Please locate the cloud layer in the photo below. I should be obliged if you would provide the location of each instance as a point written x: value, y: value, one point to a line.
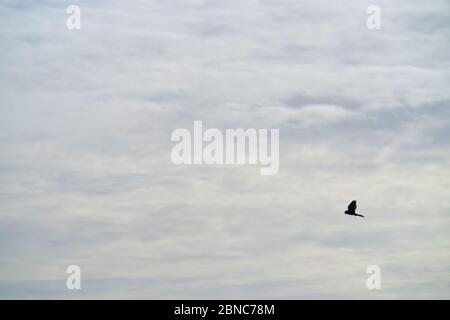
x: 85, y: 171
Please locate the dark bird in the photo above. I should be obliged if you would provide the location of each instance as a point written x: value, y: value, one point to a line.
x: 352, y: 209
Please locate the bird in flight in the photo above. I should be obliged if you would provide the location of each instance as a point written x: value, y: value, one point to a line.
x: 352, y: 208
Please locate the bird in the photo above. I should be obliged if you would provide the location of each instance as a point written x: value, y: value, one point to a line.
x: 352, y: 208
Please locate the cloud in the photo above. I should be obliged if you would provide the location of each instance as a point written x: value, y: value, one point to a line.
x: 85, y: 171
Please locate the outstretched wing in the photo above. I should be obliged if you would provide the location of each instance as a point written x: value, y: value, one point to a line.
x: 352, y: 206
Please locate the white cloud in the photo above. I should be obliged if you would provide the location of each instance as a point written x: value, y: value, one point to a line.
x: 86, y: 176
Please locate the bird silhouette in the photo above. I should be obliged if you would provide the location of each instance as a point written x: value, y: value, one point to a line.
x: 352, y: 208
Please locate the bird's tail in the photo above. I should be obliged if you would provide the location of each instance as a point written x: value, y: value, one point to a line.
x: 359, y: 215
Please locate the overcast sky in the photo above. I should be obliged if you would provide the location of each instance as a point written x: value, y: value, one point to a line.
x: 85, y: 171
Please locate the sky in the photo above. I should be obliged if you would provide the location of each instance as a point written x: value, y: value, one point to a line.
x: 85, y: 171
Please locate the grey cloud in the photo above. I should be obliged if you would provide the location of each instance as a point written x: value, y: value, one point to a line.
x: 85, y: 171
